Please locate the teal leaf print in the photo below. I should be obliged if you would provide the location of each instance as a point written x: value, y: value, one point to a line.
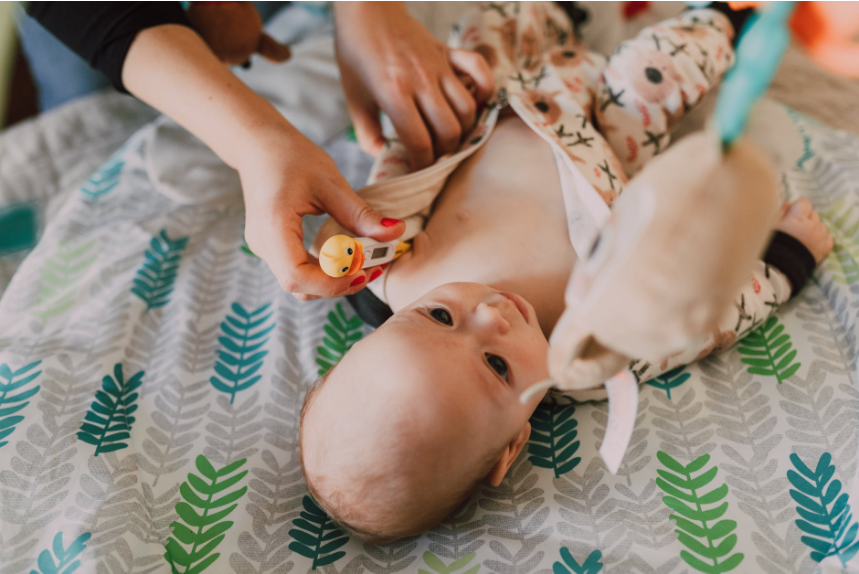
x: 108, y: 421
x: 10, y: 404
x: 824, y: 511
x: 153, y: 282
x: 768, y: 351
x: 243, y: 339
x: 341, y: 332
x: 591, y: 565
x: 699, y: 527
x: 553, y: 441
x: 315, y: 536
x: 669, y: 380
x: 20, y: 228
x: 201, y: 523
x: 59, y: 276
x: 440, y: 567
x: 105, y: 179
x: 62, y: 561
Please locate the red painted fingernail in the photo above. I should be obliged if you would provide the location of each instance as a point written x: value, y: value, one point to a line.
x: 375, y: 275
x: 357, y: 281
x: 384, y: 265
x: 388, y: 222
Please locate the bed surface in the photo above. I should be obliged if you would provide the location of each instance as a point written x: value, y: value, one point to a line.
x: 152, y: 372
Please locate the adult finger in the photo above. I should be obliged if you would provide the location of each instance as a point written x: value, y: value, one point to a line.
x: 272, y: 50
x: 461, y: 100
x: 298, y: 273
x: 368, y: 128
x: 475, y: 66
x: 412, y: 131
x: 442, y: 120
x: 351, y: 212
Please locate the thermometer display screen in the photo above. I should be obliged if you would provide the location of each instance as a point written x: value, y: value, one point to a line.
x: 379, y: 252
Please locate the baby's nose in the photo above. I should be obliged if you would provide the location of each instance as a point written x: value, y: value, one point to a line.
x: 489, y: 318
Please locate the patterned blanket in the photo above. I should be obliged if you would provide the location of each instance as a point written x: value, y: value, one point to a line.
x: 152, y: 372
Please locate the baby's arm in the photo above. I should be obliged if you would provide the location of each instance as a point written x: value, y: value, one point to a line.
x: 801, y: 241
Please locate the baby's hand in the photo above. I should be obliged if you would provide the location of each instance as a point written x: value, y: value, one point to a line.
x: 799, y: 220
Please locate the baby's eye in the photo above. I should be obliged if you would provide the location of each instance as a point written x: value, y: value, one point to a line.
x: 349, y: 251
x: 498, y: 365
x: 442, y: 316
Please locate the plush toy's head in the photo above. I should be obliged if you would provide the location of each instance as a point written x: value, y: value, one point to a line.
x: 233, y: 30
x: 681, y: 240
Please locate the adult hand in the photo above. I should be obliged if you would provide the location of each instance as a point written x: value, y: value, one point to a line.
x: 284, y: 177
x: 389, y: 61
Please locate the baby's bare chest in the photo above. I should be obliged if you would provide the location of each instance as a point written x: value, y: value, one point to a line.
x: 500, y: 221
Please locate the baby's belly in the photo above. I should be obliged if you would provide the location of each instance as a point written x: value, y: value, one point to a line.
x: 500, y: 221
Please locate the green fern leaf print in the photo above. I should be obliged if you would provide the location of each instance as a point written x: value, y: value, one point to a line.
x: 824, y: 512
x: 553, y: 441
x: 13, y: 397
x: 59, y: 277
x: 341, y: 332
x: 438, y: 566
x: 843, y: 267
x: 669, y: 380
x: 591, y: 565
x: 768, y: 352
x: 153, y: 282
x: 315, y: 536
x: 108, y: 421
x: 105, y: 179
x: 62, y: 561
x: 201, y: 525
x: 247, y: 250
x: 243, y: 339
x: 697, y: 521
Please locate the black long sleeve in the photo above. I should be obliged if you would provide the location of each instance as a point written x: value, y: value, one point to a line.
x: 102, y: 32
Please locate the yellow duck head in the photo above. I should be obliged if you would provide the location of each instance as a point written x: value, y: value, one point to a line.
x: 341, y: 255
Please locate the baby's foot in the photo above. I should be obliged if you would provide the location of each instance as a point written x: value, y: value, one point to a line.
x: 799, y: 220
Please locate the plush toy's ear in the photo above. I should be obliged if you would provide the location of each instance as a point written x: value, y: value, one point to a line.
x: 272, y: 50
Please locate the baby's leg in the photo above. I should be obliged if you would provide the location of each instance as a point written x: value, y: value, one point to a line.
x: 800, y: 243
x: 651, y: 81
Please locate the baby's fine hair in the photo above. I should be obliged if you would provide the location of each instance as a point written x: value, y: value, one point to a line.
x: 453, y: 503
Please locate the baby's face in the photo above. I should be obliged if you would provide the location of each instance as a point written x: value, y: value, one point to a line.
x: 415, y: 405
x: 468, y: 342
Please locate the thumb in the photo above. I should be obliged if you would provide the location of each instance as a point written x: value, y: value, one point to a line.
x: 272, y: 50
x: 354, y: 215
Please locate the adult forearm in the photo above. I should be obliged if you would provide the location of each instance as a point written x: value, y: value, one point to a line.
x: 172, y: 69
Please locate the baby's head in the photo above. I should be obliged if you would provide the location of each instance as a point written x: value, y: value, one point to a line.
x: 421, y: 412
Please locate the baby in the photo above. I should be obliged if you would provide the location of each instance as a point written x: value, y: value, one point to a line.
x: 421, y: 412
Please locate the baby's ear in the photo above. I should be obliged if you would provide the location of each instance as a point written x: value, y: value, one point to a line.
x: 508, y: 456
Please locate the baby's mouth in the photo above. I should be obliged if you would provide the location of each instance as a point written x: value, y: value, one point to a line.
x: 521, y: 305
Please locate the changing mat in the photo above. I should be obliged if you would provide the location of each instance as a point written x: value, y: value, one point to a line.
x: 152, y: 373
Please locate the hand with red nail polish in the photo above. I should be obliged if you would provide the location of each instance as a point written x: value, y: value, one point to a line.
x: 357, y: 281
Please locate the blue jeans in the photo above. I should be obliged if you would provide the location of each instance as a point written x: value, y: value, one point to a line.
x: 61, y: 75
